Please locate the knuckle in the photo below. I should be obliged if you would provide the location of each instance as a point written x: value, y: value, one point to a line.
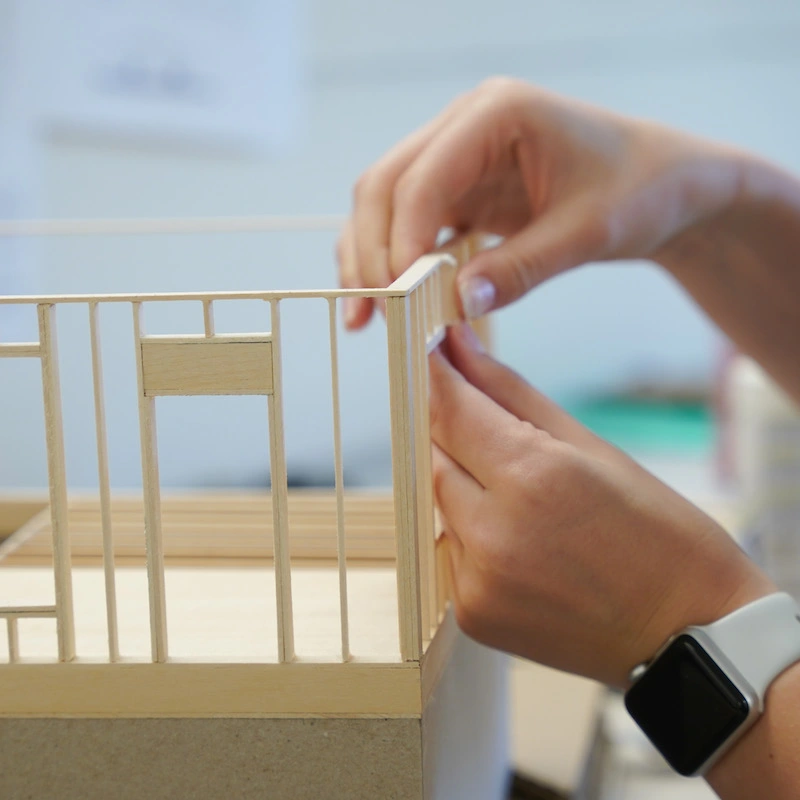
x: 597, y: 231
x: 551, y: 474
x: 526, y: 271
x: 537, y: 469
x: 500, y: 85
x: 364, y: 187
x: 407, y: 192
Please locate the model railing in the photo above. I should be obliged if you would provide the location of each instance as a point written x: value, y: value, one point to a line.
x: 419, y: 306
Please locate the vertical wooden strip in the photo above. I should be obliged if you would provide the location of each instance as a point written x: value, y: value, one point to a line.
x: 13, y: 640
x: 56, y: 470
x: 436, y: 304
x: 429, y: 289
x: 421, y: 447
x: 339, y: 481
x: 280, y: 503
x: 208, y: 318
x: 442, y: 576
x: 403, y: 476
x: 151, y: 489
x: 427, y: 504
x: 447, y: 303
x: 104, y: 485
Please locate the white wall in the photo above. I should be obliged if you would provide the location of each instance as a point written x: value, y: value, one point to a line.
x: 375, y: 71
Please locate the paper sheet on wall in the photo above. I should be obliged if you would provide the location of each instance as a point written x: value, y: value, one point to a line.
x: 216, y: 72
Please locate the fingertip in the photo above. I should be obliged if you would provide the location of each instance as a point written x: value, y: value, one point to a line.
x: 465, y: 349
x: 357, y: 312
x: 464, y: 337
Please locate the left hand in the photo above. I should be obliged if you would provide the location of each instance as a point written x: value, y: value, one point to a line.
x: 563, y: 549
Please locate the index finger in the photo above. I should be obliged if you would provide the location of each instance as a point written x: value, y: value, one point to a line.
x: 442, y: 174
x: 372, y: 206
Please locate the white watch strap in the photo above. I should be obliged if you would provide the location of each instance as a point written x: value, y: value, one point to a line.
x: 760, y: 639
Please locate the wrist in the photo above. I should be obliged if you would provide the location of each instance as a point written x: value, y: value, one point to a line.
x: 734, y: 201
x: 716, y: 584
x: 714, y: 184
x: 767, y: 756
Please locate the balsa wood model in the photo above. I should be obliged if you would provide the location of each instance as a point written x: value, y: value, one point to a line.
x: 123, y: 673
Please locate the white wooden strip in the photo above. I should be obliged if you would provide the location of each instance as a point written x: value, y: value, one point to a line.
x: 152, y: 505
x: 57, y: 476
x: 20, y: 350
x: 418, y: 357
x: 339, y: 483
x: 403, y: 478
x: 420, y: 270
x: 104, y: 484
x: 13, y: 640
x: 162, y: 297
x: 280, y: 512
x: 435, y: 339
x: 427, y: 504
x: 208, y: 318
x: 213, y: 341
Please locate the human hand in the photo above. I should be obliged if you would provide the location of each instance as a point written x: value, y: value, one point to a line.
x: 563, y: 549
x: 565, y: 182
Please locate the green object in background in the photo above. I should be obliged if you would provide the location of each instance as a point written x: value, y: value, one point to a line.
x: 652, y: 426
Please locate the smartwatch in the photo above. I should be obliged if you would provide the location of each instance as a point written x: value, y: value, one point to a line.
x: 705, y: 687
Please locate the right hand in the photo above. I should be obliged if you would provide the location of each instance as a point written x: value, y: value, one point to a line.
x: 564, y: 182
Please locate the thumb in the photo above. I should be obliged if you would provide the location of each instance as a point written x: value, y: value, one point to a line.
x: 559, y: 240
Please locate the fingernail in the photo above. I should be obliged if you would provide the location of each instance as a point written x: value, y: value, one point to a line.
x: 477, y: 296
x: 472, y: 339
x: 350, y: 310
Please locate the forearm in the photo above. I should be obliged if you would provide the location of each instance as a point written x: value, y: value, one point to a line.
x: 742, y: 265
x: 766, y: 762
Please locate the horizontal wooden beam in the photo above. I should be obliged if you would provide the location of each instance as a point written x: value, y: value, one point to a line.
x: 20, y: 350
x: 177, y: 689
x: 206, y: 366
x: 28, y: 612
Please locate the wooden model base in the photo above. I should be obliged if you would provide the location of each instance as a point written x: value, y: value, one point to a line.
x: 240, y: 724
x: 452, y: 747
x: 230, y: 646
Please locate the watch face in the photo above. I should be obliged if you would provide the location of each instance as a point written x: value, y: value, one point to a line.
x: 686, y: 705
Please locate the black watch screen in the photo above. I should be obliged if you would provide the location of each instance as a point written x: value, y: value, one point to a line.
x: 686, y: 705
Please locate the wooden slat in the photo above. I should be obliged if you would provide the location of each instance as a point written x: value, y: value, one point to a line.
x: 404, y: 485
x: 420, y: 401
x: 104, y: 484
x: 339, y: 481
x: 13, y: 640
x: 57, y: 475
x: 426, y: 500
x: 223, y: 527
x: 279, y: 483
x: 182, y: 690
x: 209, y: 366
x: 20, y: 350
x: 152, y: 503
x: 27, y: 612
x: 208, y: 318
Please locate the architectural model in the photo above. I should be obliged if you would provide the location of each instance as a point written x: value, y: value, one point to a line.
x: 124, y: 675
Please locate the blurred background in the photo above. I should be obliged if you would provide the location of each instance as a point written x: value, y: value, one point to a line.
x: 129, y: 108
x: 175, y: 108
